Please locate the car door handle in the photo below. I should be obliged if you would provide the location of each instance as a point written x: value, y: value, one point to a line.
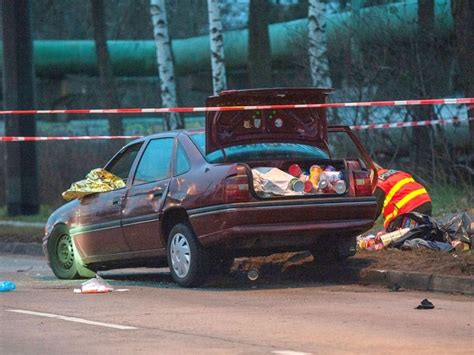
x: 157, y: 192
x: 116, y: 200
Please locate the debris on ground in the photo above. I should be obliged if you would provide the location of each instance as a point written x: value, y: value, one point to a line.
x: 395, y: 287
x: 253, y: 274
x: 415, y: 230
x: 6, y: 286
x: 425, y: 304
x: 94, y: 285
x: 25, y: 270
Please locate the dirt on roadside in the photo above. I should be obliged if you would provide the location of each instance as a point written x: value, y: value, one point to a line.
x: 421, y: 260
x: 11, y: 234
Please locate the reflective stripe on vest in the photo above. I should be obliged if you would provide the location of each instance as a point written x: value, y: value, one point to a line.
x: 394, y: 190
x: 403, y: 202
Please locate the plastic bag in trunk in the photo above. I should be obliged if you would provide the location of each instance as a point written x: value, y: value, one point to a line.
x: 273, y: 181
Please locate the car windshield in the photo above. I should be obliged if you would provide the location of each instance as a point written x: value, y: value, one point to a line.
x: 259, y: 151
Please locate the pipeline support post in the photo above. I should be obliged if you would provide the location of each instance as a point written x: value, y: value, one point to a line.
x: 18, y: 93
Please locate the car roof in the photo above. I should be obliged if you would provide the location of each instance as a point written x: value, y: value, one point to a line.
x: 164, y: 134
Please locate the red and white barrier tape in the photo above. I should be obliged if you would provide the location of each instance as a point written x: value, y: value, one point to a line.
x: 410, y: 124
x: 52, y: 138
x: 468, y: 100
x: 360, y: 127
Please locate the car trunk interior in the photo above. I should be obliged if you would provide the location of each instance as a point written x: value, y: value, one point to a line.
x: 287, y: 179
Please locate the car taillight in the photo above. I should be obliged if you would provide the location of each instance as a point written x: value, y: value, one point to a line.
x: 236, y: 187
x: 362, y: 184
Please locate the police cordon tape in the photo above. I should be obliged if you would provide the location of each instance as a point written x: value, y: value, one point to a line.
x: 454, y: 120
x: 360, y: 127
x: 467, y: 100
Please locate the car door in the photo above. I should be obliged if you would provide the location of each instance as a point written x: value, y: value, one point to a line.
x: 344, y: 144
x: 145, y: 198
x: 99, y: 215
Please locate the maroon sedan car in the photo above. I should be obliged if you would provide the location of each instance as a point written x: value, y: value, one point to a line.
x: 192, y: 202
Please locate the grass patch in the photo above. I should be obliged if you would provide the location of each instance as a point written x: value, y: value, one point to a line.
x: 42, y: 217
x: 451, y: 199
x: 21, y: 234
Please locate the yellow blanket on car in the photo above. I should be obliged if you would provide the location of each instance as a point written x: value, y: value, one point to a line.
x: 98, y: 180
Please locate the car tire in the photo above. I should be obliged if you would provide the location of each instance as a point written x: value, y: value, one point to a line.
x: 187, y: 259
x: 62, y: 256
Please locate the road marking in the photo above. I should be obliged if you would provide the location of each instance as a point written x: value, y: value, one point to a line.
x: 289, y: 352
x: 72, y: 319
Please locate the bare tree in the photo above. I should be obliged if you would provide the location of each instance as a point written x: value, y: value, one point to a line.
x: 317, y: 44
x: 422, y: 154
x: 109, y: 96
x: 259, y: 54
x: 165, y: 63
x: 219, y: 79
x: 463, y: 11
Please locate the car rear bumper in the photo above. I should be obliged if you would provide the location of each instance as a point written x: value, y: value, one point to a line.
x: 283, y: 223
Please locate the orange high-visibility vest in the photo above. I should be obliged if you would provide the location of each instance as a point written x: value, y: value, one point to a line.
x: 402, y: 193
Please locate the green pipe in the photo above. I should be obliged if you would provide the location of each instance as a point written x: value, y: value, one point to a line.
x: 55, y: 58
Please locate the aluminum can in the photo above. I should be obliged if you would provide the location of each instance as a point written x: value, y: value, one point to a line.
x: 297, y: 185
x: 308, y: 186
x: 331, y: 176
x: 314, y: 173
x: 295, y: 170
x: 340, y: 186
x: 325, y: 186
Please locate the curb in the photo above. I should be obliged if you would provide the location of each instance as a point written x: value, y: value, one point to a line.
x: 32, y: 249
x: 418, y: 281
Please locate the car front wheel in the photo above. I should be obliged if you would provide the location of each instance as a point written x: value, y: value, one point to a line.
x: 62, y: 256
x: 187, y: 259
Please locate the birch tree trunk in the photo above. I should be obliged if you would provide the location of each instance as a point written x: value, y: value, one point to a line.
x: 165, y: 63
x: 219, y: 80
x: 317, y: 44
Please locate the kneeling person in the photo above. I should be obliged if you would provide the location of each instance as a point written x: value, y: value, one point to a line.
x: 398, y: 193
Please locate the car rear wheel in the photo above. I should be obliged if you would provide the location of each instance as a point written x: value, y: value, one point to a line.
x: 187, y: 259
x: 62, y: 256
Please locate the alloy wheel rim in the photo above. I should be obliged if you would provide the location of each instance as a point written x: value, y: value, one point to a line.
x: 180, y: 255
x: 65, y: 251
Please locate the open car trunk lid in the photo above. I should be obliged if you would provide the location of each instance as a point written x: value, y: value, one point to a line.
x: 295, y: 125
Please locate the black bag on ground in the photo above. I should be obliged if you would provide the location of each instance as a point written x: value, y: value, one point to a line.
x: 459, y: 226
x: 423, y: 227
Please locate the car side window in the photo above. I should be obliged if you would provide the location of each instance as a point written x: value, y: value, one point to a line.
x: 182, y: 161
x: 154, y: 164
x: 122, y: 163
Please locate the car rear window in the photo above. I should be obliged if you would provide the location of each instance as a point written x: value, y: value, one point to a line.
x: 259, y: 151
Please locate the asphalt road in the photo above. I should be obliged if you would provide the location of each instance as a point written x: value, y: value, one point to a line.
x: 231, y: 315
